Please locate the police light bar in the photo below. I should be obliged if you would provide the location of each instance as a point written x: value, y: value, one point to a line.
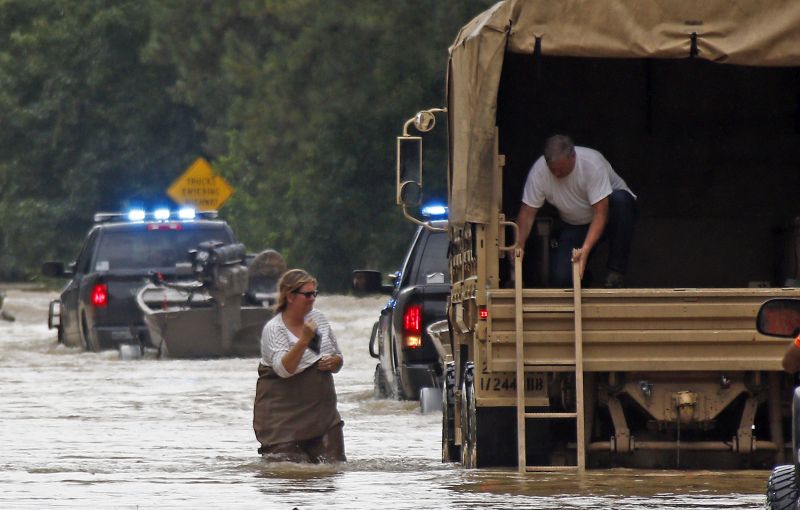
x: 187, y: 213
x: 136, y: 215
x: 161, y: 214
x: 435, y: 211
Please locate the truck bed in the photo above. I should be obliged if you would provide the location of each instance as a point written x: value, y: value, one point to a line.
x: 636, y: 330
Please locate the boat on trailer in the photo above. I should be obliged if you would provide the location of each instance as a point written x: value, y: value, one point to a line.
x: 218, y: 305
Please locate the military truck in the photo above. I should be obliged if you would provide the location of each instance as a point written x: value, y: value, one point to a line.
x: 697, y: 107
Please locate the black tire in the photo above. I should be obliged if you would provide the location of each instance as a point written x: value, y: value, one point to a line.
x: 379, y: 383
x: 782, y: 488
x: 86, y: 336
x: 397, y: 387
x: 451, y: 452
x: 468, y: 419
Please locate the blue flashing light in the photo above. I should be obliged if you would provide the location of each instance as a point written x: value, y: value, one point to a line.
x: 435, y: 211
x: 187, y: 213
x: 136, y: 215
x: 161, y: 214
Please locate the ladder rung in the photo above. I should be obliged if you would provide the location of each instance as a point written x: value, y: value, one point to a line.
x: 551, y: 415
x: 534, y: 469
x: 556, y: 365
x: 548, y: 309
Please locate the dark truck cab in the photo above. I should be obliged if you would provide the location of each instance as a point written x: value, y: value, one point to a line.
x: 408, y: 360
x: 97, y: 309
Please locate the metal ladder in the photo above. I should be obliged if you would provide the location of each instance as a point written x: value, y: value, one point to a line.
x: 522, y: 415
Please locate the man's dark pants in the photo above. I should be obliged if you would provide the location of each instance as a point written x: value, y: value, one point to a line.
x: 622, y: 215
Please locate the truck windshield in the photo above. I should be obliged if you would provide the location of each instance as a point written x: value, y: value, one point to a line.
x: 147, y: 249
x: 433, y: 266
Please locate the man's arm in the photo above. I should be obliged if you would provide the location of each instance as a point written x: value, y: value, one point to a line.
x: 791, y: 360
x: 596, y: 228
x: 525, y: 219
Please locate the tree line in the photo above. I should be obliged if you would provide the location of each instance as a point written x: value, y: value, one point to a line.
x: 296, y: 103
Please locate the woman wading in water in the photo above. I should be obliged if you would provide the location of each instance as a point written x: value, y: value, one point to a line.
x: 295, y: 416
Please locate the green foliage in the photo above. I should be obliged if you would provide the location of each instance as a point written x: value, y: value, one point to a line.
x: 296, y: 102
x: 86, y: 125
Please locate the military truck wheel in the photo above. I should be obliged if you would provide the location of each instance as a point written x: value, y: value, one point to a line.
x: 379, y: 383
x: 782, y: 488
x: 86, y: 336
x: 468, y: 419
x: 450, y: 451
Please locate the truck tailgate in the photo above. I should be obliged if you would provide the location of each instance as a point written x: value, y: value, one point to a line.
x: 637, y: 329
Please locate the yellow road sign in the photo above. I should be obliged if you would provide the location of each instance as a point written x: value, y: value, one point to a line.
x: 200, y: 187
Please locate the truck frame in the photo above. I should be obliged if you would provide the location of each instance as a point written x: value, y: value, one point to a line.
x: 671, y: 372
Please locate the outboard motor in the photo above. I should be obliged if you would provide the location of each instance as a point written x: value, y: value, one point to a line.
x: 211, y: 257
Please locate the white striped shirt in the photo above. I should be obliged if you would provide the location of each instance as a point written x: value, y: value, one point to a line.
x: 276, y: 340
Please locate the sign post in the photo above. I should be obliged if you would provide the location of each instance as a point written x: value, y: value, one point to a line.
x: 200, y: 186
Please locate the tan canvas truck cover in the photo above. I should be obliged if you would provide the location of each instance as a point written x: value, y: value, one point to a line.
x: 750, y: 33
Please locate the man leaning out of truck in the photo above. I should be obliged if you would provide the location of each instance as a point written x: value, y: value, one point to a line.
x: 593, y: 202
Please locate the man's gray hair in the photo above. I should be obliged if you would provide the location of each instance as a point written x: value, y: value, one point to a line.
x: 558, y: 147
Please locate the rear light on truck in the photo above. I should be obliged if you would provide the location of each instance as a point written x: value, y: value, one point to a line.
x: 100, y: 295
x: 164, y: 226
x: 412, y: 327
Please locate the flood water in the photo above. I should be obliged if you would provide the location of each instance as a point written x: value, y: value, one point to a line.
x: 81, y: 430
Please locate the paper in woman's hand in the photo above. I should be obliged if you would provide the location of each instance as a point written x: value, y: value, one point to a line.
x: 314, y: 343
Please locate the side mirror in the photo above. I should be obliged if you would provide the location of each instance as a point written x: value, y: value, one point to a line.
x: 424, y: 121
x: 409, y: 170
x: 779, y: 317
x: 410, y: 193
x: 53, y: 269
x: 366, y: 281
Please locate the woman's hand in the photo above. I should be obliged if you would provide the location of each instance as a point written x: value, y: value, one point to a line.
x: 291, y: 359
x: 330, y: 363
x: 309, y: 330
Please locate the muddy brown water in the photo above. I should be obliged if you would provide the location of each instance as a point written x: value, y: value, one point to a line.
x: 83, y: 430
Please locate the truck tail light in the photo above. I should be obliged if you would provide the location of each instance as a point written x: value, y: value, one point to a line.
x: 483, y: 313
x: 412, y: 327
x: 100, y: 295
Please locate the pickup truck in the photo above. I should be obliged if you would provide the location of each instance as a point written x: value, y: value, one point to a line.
x: 97, y: 309
x: 407, y: 358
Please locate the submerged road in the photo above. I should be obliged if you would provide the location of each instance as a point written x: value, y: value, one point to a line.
x: 82, y: 430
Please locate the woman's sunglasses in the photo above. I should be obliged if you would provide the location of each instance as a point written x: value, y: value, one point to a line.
x: 307, y: 294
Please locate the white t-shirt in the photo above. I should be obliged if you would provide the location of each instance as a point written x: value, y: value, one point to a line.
x: 592, y: 180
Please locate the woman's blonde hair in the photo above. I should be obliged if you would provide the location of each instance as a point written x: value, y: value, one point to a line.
x: 291, y: 281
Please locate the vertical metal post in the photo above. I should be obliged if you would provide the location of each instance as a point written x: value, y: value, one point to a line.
x: 579, y: 398
x: 520, y: 350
